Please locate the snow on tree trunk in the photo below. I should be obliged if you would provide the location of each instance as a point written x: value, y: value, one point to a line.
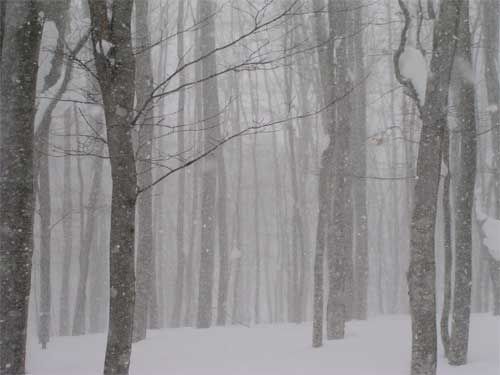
x: 422, y: 269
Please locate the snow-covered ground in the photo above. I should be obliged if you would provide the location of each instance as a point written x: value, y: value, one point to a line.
x: 380, y: 346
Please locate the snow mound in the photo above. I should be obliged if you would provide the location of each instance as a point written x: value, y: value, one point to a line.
x: 491, y: 231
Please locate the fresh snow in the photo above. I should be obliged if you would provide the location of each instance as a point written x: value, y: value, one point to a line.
x: 380, y: 346
x: 492, y: 108
x: 413, y: 66
x: 491, y: 230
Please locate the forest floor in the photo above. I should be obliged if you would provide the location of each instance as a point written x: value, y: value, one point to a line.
x: 379, y: 346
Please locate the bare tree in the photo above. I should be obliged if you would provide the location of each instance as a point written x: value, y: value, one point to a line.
x: 115, y: 65
x: 433, y: 111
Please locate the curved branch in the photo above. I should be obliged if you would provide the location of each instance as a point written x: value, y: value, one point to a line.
x: 407, y: 83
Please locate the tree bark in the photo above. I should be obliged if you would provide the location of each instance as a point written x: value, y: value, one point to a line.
x: 465, y: 193
x: 116, y: 73
x: 181, y: 185
x: 211, y: 121
x: 340, y: 226
x: 22, y: 32
x: 361, y: 265
x: 491, y: 14
x: 80, y: 317
x: 67, y: 211
x: 325, y: 60
x: 448, y: 251
x: 422, y: 269
x: 146, y: 308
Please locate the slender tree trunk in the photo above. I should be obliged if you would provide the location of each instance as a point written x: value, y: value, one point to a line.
x: 209, y: 180
x: 43, y: 193
x: 222, y: 232
x: 146, y: 299
x: 80, y: 317
x: 22, y: 33
x: 325, y: 60
x: 465, y: 192
x: 181, y: 185
x: 67, y: 211
x: 448, y: 251
x: 237, y: 239
x: 340, y: 227
x: 490, y: 26
x: 360, y: 298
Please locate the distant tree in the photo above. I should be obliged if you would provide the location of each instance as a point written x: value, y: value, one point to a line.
x: 211, y: 115
x: 490, y: 29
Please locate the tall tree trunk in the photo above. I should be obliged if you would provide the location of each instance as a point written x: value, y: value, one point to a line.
x: 22, y: 33
x: 146, y: 300
x: 360, y: 294
x: 422, y: 269
x: 325, y: 60
x: 43, y: 193
x: 490, y: 27
x: 237, y: 239
x: 181, y: 186
x: 115, y: 74
x: 211, y: 123
x: 298, y: 246
x: 340, y: 227
x: 80, y: 317
x: 465, y: 193
x: 67, y: 211
x: 448, y: 251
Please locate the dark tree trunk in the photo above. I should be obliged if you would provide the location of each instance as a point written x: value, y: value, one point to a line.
x: 422, y: 268
x: 116, y: 73
x: 22, y: 33
x: 448, y: 251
